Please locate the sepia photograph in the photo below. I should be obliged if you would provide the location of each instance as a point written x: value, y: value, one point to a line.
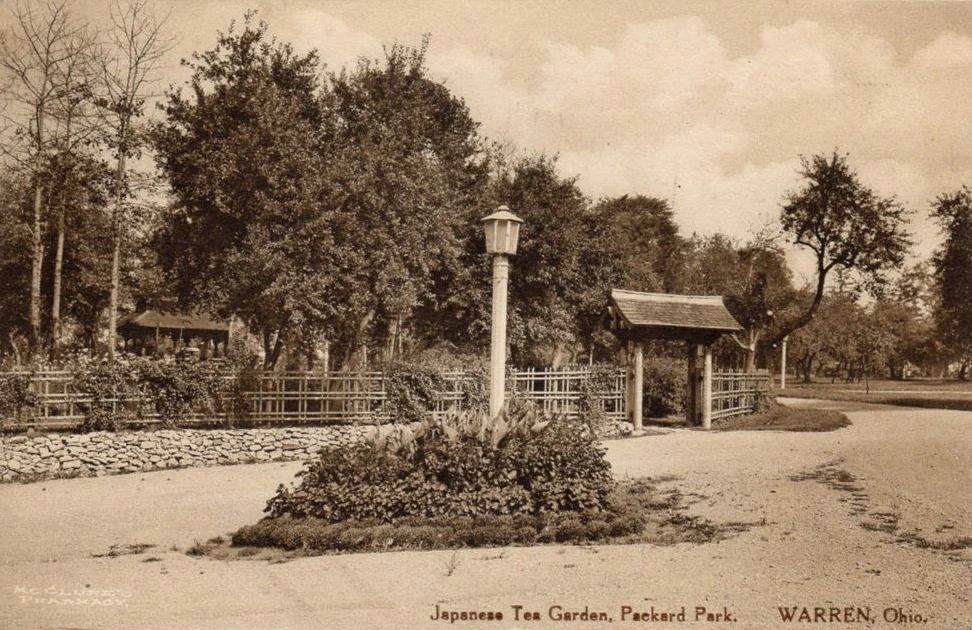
x: 485, y: 314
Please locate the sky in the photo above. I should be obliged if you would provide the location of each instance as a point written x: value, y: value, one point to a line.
x: 706, y: 104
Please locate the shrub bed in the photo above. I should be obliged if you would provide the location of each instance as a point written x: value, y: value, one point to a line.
x: 636, y: 512
x: 425, y: 533
x: 460, y: 465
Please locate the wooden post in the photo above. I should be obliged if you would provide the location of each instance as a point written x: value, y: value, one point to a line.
x: 692, y: 404
x: 707, y: 389
x: 783, y: 365
x: 639, y: 388
x: 629, y: 385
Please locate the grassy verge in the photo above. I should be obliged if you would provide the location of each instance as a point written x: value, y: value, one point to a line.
x: 782, y: 418
x: 926, y: 393
x: 639, y: 513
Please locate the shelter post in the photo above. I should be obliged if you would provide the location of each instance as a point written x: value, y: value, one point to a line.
x: 692, y: 403
x: 637, y: 414
x: 707, y: 389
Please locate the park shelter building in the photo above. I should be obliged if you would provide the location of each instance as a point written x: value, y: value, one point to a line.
x: 147, y: 330
x: 699, y: 320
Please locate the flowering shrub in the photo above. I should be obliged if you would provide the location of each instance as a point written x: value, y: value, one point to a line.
x: 461, y: 465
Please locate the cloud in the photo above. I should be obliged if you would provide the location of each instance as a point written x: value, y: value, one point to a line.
x: 666, y: 102
x: 948, y: 50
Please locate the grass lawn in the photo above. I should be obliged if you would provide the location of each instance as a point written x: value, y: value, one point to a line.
x: 783, y: 418
x: 928, y: 393
x: 778, y: 418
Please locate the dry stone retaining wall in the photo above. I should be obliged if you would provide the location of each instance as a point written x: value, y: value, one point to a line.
x: 25, y: 458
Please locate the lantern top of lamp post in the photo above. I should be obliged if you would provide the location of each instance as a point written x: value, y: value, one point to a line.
x: 503, y: 214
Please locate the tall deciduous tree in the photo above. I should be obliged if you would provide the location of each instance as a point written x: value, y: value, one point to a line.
x: 33, y: 53
x: 953, y: 269
x: 408, y: 167
x: 845, y: 225
x: 317, y: 212
x: 129, y: 65
x: 247, y: 235
x: 644, y: 234
x: 71, y: 181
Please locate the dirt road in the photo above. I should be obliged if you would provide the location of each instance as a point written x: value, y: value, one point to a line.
x: 866, y: 525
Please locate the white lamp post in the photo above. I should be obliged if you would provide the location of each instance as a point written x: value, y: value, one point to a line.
x: 502, y: 230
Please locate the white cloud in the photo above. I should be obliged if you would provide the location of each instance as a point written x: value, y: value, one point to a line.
x: 949, y: 49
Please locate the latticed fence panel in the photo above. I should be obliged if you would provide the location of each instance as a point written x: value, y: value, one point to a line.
x: 737, y: 393
x: 335, y: 397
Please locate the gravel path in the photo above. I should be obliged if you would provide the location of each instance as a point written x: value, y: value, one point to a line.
x: 848, y: 520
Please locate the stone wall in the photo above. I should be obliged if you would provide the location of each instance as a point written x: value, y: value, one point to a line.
x: 25, y: 458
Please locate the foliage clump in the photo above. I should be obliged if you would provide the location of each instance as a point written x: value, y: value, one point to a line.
x: 17, y: 400
x: 129, y: 391
x: 180, y: 389
x: 113, y: 389
x: 412, y: 390
x: 463, y: 465
x: 665, y: 386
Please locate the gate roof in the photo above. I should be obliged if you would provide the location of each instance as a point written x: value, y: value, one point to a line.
x: 693, y: 318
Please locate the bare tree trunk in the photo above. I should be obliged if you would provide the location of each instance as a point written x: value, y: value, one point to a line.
x: 36, y: 262
x: 116, y: 217
x: 56, y: 301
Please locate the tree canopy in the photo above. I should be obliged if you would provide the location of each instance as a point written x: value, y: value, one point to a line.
x: 953, y: 270
x: 845, y: 224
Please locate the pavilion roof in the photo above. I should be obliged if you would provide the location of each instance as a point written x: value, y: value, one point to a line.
x: 665, y: 315
x: 173, y: 321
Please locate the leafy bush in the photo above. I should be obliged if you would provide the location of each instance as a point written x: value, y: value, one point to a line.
x: 412, y: 390
x: 114, y: 389
x: 120, y: 391
x: 462, y: 465
x: 665, y: 386
x: 16, y: 397
x: 180, y: 388
x: 593, y: 389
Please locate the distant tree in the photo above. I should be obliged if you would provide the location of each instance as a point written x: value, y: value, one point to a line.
x: 828, y: 341
x: 559, y: 280
x: 643, y: 233
x: 845, y: 225
x: 953, y: 271
x: 754, y: 280
x: 874, y: 341
x: 408, y: 170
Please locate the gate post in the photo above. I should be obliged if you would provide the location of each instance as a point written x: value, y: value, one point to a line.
x: 707, y: 389
x: 692, y: 403
x: 639, y: 387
